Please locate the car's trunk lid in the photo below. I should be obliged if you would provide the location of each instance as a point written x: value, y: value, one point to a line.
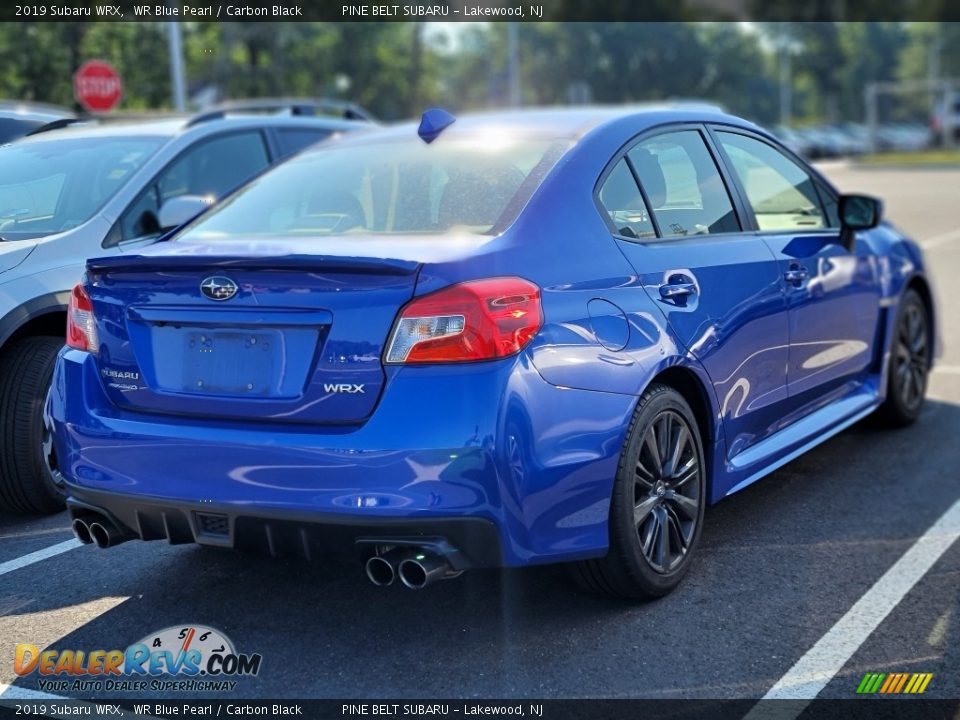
x: 300, y: 340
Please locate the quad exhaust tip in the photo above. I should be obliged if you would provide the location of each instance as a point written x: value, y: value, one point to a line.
x: 421, y: 570
x: 413, y: 574
x: 101, y: 535
x: 98, y: 530
x: 380, y: 571
x: 416, y: 568
x: 81, y: 531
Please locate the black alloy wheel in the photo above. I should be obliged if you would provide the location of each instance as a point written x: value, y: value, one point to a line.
x: 656, y: 512
x: 909, y: 368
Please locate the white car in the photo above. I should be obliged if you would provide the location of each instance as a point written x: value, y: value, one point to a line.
x: 101, y: 189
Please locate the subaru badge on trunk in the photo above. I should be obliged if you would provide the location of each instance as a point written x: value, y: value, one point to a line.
x: 218, y: 288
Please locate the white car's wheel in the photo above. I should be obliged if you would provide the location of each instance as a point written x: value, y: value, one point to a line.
x: 29, y: 478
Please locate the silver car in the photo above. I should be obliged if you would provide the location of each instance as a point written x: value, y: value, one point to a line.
x: 94, y: 190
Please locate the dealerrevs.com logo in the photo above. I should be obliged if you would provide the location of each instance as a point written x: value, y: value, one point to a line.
x: 191, y: 658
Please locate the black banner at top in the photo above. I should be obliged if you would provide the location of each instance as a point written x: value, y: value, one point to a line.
x: 478, y: 10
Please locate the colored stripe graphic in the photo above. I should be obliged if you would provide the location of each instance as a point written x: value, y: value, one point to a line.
x: 894, y: 683
x: 870, y: 683
x: 891, y: 680
x: 903, y: 681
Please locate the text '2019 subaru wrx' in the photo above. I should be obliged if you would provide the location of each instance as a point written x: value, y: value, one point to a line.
x: 502, y: 340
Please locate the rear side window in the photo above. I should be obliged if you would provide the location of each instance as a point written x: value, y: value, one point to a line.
x: 294, y: 140
x: 782, y: 194
x: 681, y: 180
x: 215, y: 167
x: 624, y: 204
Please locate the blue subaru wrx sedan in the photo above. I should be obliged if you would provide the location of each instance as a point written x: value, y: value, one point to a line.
x: 498, y: 340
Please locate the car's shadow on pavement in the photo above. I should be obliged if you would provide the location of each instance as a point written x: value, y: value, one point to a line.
x: 778, y: 564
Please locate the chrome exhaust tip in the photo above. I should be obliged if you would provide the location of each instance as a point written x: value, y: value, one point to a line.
x: 105, y: 535
x: 380, y: 571
x: 421, y: 570
x: 81, y: 531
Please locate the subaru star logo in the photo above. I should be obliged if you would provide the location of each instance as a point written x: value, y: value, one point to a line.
x: 218, y: 288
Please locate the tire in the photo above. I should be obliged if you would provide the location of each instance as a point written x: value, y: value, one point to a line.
x: 29, y: 482
x: 634, y: 567
x: 909, y: 366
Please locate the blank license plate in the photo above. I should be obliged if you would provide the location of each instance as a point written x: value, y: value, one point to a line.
x: 235, y: 363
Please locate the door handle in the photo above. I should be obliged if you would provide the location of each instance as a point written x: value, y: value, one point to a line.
x: 796, y: 275
x: 677, y: 290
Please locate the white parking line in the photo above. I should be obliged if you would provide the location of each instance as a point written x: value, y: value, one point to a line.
x: 35, y: 533
x: 938, y: 240
x: 45, y: 626
x: 34, y: 557
x: 10, y: 692
x: 823, y: 661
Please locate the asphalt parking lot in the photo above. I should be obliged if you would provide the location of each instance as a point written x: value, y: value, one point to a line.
x: 779, y: 565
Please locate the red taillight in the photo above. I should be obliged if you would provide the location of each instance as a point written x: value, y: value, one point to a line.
x: 81, y: 325
x: 477, y: 320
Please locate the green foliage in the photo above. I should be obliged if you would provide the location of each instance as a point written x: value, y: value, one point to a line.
x: 38, y: 59
x: 397, y: 69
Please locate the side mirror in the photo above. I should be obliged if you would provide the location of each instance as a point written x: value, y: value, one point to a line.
x: 179, y: 210
x: 858, y: 212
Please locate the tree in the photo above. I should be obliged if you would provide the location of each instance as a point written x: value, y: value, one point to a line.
x: 738, y: 72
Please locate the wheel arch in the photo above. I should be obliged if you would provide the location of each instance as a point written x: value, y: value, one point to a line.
x: 920, y: 284
x: 696, y: 391
x: 42, y: 315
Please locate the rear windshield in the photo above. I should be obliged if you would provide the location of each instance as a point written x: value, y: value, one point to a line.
x: 390, y: 187
x: 51, y: 186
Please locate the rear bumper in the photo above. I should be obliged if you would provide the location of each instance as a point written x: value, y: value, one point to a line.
x: 506, y: 467
x: 466, y: 542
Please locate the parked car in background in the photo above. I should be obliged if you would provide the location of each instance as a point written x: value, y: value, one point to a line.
x: 107, y: 189
x: 946, y: 120
x: 824, y: 142
x: 513, y: 339
x: 21, y: 118
x: 902, y: 137
x: 794, y: 140
x: 852, y: 139
x: 856, y: 137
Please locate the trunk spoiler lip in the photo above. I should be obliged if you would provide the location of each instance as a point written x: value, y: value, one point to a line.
x: 214, y: 263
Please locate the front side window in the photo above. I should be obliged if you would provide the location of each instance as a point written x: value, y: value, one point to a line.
x: 681, y: 180
x: 211, y: 168
x: 782, y: 194
x: 49, y: 186
x: 457, y: 184
x: 624, y: 204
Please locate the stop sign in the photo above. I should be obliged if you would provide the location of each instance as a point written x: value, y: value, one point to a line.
x: 97, y: 86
